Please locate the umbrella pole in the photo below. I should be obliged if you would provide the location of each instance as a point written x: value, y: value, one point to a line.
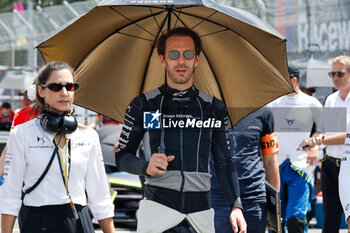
x: 161, y: 148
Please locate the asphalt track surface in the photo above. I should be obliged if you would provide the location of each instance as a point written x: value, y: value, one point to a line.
x: 120, y: 230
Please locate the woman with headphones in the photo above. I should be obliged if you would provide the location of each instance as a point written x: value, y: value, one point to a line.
x: 54, y: 166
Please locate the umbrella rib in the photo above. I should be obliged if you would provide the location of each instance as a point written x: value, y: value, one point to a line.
x: 178, y: 19
x: 177, y: 16
x: 218, y: 24
x: 116, y: 31
x: 213, y: 22
x: 137, y: 37
x: 208, y: 34
x: 212, y: 70
x: 133, y: 21
x: 204, y: 19
x: 179, y: 11
x: 150, y: 9
x: 151, y: 51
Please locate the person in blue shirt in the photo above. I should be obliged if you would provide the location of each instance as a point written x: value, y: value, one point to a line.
x: 253, y: 145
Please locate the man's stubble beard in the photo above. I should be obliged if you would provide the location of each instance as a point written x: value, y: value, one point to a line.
x: 181, y: 79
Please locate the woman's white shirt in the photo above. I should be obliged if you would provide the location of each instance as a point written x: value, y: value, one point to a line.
x: 29, y: 151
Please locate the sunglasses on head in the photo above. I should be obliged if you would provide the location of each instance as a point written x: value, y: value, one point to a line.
x: 338, y: 73
x: 56, y: 87
x: 174, y: 54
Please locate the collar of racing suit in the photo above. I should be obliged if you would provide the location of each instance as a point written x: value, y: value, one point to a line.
x: 170, y: 92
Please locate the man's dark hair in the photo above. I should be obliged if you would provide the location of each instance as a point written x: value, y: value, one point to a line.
x: 293, y: 71
x: 6, y: 105
x: 179, y: 32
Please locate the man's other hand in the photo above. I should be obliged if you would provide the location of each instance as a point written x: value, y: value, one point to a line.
x: 312, y: 156
x: 312, y: 142
x: 237, y: 221
x: 158, y: 164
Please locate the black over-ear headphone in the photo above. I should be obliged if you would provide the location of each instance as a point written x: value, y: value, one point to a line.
x: 54, y: 122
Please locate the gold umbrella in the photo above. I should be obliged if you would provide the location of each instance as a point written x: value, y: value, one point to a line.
x: 112, y: 49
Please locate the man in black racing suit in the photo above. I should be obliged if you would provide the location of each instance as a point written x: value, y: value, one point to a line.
x: 177, y: 186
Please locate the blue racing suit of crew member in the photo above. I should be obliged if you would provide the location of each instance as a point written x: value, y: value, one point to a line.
x: 245, y: 143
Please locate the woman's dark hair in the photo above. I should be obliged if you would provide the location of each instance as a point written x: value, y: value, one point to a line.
x: 44, y: 74
x: 6, y: 105
x: 179, y: 32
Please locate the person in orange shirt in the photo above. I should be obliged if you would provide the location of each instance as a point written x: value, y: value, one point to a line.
x: 22, y: 116
x: 26, y: 114
x: 6, y: 114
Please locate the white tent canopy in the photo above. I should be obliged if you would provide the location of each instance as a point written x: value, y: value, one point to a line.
x: 314, y: 73
x: 16, y: 79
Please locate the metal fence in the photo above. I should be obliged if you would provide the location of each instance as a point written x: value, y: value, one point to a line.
x: 21, y: 31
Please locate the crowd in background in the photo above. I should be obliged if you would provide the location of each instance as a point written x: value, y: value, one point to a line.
x: 296, y: 168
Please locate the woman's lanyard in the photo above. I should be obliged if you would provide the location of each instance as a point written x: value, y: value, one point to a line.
x: 65, y: 170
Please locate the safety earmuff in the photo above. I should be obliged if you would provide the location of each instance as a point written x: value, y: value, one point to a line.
x: 54, y: 122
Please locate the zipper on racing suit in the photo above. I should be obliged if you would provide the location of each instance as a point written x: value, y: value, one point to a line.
x: 182, y: 159
x: 182, y: 169
x: 200, y: 135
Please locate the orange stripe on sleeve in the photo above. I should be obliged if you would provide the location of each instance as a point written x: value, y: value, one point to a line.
x: 269, y: 144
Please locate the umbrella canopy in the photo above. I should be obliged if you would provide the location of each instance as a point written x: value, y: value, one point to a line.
x: 314, y: 73
x: 112, y: 49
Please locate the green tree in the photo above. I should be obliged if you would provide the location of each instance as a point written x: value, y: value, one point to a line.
x: 6, y: 5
